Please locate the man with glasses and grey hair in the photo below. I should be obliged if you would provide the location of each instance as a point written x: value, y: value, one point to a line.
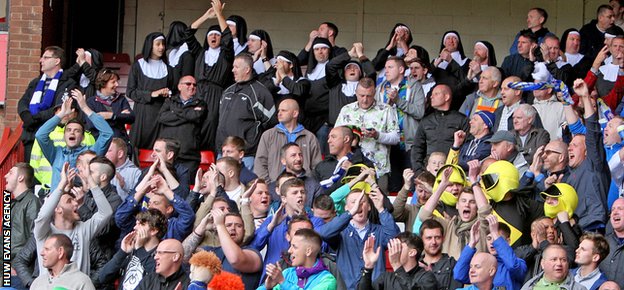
x: 181, y: 118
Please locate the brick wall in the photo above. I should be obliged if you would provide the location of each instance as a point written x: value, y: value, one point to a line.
x: 25, y: 20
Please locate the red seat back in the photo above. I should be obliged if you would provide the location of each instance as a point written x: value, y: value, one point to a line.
x: 145, y: 158
x: 207, y: 158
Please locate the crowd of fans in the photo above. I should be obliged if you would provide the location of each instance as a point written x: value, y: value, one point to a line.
x: 505, y: 177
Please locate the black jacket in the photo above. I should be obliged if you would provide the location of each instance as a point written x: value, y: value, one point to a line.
x: 443, y: 272
x: 183, y: 122
x: 118, y: 265
x: 416, y: 279
x: 517, y: 65
x: 246, y: 110
x: 25, y: 263
x: 435, y: 134
x: 153, y: 281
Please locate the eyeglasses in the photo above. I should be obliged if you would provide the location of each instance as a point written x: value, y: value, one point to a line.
x: 548, y: 152
x: 48, y: 57
x: 188, y: 84
x: 165, y: 252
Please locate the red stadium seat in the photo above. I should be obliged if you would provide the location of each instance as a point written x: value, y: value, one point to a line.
x: 145, y: 158
x: 207, y: 158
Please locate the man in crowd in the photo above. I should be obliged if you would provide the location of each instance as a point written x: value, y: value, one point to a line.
x: 20, y: 182
x: 611, y: 266
x: 528, y: 137
x: 234, y: 146
x: 74, y: 134
x: 592, y: 33
x: 304, y: 251
x: 168, y: 271
x: 179, y: 214
x: 181, y: 117
x: 167, y: 151
x: 536, y: 18
x: 292, y: 160
x: 348, y: 232
x: 330, y: 171
x: 267, y: 163
x: 379, y: 125
x: 435, y: 131
x: 60, y: 271
x: 592, y: 250
x: 246, y: 108
x: 271, y: 233
x: 408, y: 99
x: 504, y: 148
x: 43, y: 93
x: 403, y: 252
x: 475, y: 145
x: 556, y: 271
x: 519, y: 64
x: 487, y: 97
x: 59, y: 214
x: 482, y: 271
x: 136, y: 255
x: 434, y: 260
x: 127, y: 174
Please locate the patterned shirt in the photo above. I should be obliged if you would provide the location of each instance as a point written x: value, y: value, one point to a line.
x: 380, y: 117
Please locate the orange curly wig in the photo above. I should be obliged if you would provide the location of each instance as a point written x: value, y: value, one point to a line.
x: 226, y: 281
x: 208, y: 260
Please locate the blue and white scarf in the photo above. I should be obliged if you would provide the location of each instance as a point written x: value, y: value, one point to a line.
x: 37, y: 104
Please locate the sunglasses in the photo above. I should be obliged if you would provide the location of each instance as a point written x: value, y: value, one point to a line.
x: 188, y: 84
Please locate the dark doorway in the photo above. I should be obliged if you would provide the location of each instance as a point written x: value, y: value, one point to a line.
x: 82, y: 23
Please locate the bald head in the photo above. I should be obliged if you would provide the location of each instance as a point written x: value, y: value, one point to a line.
x: 288, y: 112
x: 609, y: 285
x: 339, y: 141
x: 510, y: 96
x: 169, y: 256
x: 482, y: 269
x: 441, y: 97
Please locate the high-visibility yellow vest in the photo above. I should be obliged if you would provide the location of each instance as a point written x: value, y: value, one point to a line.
x: 41, y: 165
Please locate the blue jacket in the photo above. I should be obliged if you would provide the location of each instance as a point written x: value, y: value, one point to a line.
x: 178, y: 227
x: 344, y: 239
x: 58, y: 155
x: 509, y: 273
x: 275, y: 241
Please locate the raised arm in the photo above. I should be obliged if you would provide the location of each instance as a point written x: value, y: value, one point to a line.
x: 46, y: 213
x: 473, y: 174
x: 432, y: 202
x: 99, y: 220
x: 401, y: 208
x: 245, y: 261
